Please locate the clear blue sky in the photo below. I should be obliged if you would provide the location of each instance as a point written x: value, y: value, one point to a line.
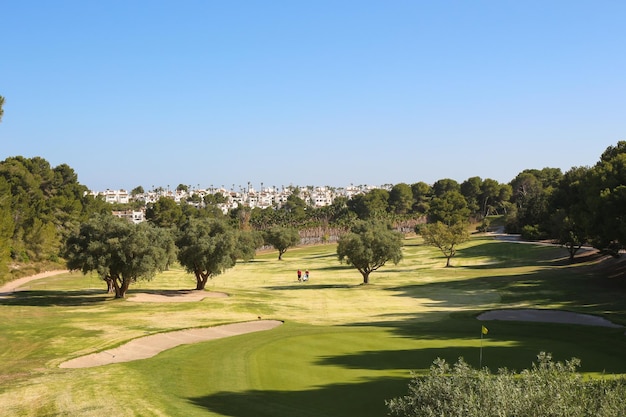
x: 317, y: 92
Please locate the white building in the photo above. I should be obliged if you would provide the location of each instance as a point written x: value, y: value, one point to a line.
x: 130, y: 215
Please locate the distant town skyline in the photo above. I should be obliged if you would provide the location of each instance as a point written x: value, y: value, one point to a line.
x: 311, y: 93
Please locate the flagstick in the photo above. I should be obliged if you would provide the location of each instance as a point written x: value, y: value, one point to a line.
x: 480, y: 362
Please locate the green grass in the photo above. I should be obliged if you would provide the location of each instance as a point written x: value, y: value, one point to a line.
x: 344, y: 347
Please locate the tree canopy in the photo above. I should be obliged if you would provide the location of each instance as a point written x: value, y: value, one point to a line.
x: 569, y: 218
x: 445, y: 237
x: 281, y: 238
x: 206, y: 248
x: 606, y: 199
x: 401, y: 199
x: 120, y: 252
x: 450, y: 208
x: 369, y: 246
x: 39, y: 206
x: 165, y: 212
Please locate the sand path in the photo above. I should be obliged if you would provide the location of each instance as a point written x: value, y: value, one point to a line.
x: 15, y: 285
x: 149, y: 346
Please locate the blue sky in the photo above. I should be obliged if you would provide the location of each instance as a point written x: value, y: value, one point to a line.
x: 317, y: 92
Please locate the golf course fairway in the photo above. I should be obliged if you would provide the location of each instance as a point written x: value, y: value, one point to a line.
x: 342, y: 350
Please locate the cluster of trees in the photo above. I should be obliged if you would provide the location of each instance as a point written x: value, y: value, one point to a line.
x: 401, y: 202
x: 122, y: 252
x: 548, y: 388
x: 584, y: 205
x: 41, y: 206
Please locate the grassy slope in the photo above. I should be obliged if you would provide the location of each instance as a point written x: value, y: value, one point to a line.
x: 343, y: 350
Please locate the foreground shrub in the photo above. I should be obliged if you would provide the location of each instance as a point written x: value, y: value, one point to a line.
x: 548, y: 389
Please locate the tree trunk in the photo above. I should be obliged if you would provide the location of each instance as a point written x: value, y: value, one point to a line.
x: 110, y: 287
x: 572, y: 249
x: 448, y: 261
x: 366, y: 277
x: 572, y: 252
x: 201, y: 280
x: 120, y: 286
x: 123, y: 289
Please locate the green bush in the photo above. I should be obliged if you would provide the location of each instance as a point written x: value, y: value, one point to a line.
x: 548, y: 389
x: 531, y: 233
x: 484, y: 226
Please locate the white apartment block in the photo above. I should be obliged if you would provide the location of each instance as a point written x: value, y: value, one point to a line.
x: 130, y: 215
x: 112, y: 196
x: 267, y: 197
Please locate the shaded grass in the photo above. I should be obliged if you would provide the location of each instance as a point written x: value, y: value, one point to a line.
x: 344, y: 349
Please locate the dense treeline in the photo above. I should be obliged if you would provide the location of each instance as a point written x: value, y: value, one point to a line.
x: 585, y: 205
x: 41, y: 205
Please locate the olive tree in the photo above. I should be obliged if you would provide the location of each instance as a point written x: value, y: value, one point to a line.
x: 444, y: 237
x: 164, y: 212
x: 369, y: 246
x: 281, y: 238
x: 206, y: 247
x: 119, y: 251
x: 248, y: 241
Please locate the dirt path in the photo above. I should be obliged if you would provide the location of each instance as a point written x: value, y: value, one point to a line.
x: 15, y: 285
x: 149, y: 346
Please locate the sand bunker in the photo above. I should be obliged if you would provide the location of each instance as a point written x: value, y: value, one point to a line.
x: 547, y: 316
x: 174, y: 296
x: 149, y: 346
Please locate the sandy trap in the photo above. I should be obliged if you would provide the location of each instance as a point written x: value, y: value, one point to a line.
x: 174, y: 296
x: 149, y: 346
x: 547, y: 316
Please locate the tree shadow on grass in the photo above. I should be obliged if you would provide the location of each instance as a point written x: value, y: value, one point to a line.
x: 361, y: 399
x: 297, y: 286
x: 340, y: 267
x: 568, y: 290
x: 165, y: 293
x: 510, y: 255
x: 512, y: 344
x: 420, y: 359
x: 56, y: 298
x: 321, y: 256
x: 367, y: 398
